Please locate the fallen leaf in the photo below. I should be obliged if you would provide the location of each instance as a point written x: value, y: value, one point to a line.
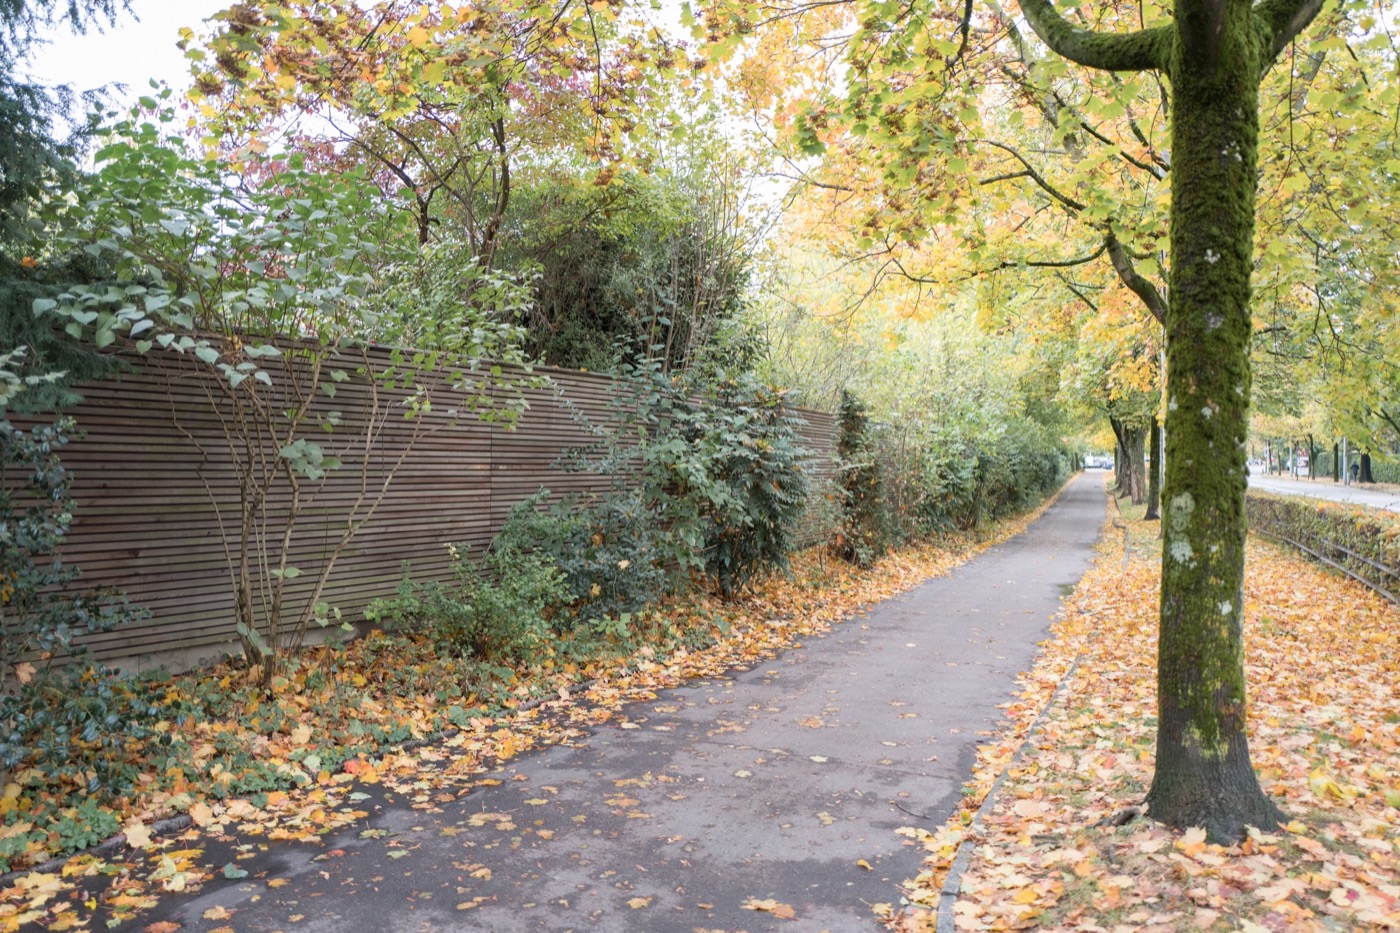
x: 768, y: 905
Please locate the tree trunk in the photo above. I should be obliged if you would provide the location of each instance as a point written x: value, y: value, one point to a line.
x: 1203, y: 773
x: 1154, y: 473
x: 1135, y: 475
x: 1117, y: 427
x: 1128, y: 460
x: 1336, y: 464
x: 1365, y: 475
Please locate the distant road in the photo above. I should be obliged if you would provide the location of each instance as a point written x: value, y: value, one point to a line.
x: 1376, y: 497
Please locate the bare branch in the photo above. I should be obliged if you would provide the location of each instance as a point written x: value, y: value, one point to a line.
x: 1282, y: 21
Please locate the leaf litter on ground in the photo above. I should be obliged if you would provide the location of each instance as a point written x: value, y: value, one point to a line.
x: 1061, y: 848
x: 372, y: 717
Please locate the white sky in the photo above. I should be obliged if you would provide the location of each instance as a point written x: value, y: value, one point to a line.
x: 139, y: 47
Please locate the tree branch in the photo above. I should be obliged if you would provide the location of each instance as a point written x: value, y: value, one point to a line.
x: 1035, y: 176
x: 1282, y: 20
x: 1137, y: 284
x: 1132, y: 51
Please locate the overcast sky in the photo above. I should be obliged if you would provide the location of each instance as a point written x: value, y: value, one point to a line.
x: 139, y: 47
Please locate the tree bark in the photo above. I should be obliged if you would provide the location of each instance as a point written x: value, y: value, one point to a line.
x: 1154, y: 473
x: 1364, y: 476
x: 1204, y: 776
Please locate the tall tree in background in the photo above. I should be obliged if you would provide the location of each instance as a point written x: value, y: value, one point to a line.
x: 32, y: 156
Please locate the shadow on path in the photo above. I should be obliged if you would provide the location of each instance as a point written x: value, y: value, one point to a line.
x: 774, y: 783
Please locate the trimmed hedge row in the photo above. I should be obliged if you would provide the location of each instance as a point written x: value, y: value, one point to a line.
x: 1362, y: 541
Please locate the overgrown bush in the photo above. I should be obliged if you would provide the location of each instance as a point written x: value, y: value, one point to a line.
x: 863, y: 533
x: 758, y: 489
x: 497, y: 608
x: 964, y: 481
x: 60, y: 713
x: 720, y: 462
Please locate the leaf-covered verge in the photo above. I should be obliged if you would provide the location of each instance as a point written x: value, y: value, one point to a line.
x: 1321, y: 659
x: 297, y: 766
x: 1364, y: 541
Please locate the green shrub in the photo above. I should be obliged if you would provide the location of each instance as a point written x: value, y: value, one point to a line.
x: 749, y: 486
x: 496, y: 609
x: 61, y: 714
x: 863, y: 533
x: 611, y: 551
x: 967, y: 481
x: 720, y: 461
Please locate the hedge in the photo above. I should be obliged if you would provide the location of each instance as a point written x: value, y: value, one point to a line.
x: 1363, y: 542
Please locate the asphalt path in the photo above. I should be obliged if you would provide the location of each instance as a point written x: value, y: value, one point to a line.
x: 778, y: 786
x: 1386, y: 498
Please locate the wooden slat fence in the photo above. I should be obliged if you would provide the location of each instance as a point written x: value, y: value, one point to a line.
x: 153, y: 477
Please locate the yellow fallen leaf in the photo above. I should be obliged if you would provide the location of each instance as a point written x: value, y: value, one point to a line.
x: 637, y: 903
x: 138, y: 834
x: 769, y: 905
x: 1193, y: 841
x: 201, y: 813
x: 217, y: 913
x: 864, y: 864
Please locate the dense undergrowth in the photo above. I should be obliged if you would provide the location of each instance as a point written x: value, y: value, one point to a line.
x: 667, y: 562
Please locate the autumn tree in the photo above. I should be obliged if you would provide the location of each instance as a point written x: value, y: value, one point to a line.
x: 913, y: 109
x: 442, y: 103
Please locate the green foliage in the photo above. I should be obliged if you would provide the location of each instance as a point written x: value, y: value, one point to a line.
x: 758, y: 490
x: 437, y: 301
x: 271, y: 282
x: 62, y: 714
x: 1356, y: 538
x: 651, y: 262
x: 720, y: 460
x: 863, y: 533
x: 497, y: 609
x: 33, y: 160
x: 968, y: 482
x: 46, y: 361
x: 610, y: 550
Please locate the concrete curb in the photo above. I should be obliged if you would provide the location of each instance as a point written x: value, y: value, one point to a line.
x: 952, y: 883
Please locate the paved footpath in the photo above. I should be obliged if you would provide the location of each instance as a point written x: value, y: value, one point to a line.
x: 773, y: 783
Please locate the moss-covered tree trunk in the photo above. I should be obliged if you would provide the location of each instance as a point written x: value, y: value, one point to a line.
x: 1214, y: 53
x: 1204, y: 776
x: 1154, y: 473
